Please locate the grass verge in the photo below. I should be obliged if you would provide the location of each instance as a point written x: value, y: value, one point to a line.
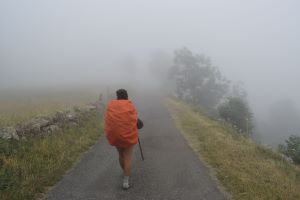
x: 28, y: 167
x: 247, y: 170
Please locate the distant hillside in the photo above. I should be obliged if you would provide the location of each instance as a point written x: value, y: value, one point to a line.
x: 246, y: 170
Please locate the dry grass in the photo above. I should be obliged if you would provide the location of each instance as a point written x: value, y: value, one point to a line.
x: 28, y: 167
x: 19, y: 106
x: 246, y: 169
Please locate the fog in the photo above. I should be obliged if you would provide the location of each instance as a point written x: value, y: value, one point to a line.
x: 59, y: 42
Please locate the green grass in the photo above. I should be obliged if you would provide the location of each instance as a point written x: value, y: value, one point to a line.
x: 246, y: 169
x: 28, y: 167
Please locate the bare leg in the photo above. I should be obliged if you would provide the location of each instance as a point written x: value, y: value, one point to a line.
x: 127, y: 160
x: 121, y: 157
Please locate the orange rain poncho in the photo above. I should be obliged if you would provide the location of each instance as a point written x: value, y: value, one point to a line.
x: 121, y: 123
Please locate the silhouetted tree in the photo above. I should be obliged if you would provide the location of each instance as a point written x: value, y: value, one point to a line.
x: 197, y: 81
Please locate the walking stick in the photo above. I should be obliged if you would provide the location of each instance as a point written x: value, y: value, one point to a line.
x: 141, y: 149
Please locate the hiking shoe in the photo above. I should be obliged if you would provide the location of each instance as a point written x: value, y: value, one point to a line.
x: 126, y: 182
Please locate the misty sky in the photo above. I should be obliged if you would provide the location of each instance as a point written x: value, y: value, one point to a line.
x: 59, y: 41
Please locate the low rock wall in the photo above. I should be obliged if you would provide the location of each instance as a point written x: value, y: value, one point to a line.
x: 44, y: 125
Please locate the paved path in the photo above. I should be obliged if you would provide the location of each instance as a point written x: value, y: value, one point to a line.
x: 170, y: 171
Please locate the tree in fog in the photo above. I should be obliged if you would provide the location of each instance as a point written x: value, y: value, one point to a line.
x: 291, y: 148
x: 197, y: 81
x: 237, y: 90
x: 236, y: 111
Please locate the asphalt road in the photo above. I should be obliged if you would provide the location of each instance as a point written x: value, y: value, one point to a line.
x: 170, y: 170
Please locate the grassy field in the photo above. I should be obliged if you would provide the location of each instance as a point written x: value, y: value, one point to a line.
x: 19, y: 106
x: 29, y: 167
x: 246, y: 170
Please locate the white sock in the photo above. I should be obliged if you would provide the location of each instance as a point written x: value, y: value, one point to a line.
x: 126, y: 182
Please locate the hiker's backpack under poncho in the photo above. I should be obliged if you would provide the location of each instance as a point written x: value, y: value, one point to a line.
x: 121, y: 123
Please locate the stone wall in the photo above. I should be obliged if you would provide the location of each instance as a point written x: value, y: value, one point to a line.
x: 44, y: 125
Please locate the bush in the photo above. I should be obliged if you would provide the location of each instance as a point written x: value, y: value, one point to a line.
x: 291, y: 148
x: 236, y: 111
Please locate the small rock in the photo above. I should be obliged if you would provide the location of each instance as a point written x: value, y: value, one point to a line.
x: 72, y: 116
x: 20, y: 129
x: 36, y: 125
x: 59, y: 118
x: 33, y: 127
x: 51, y: 128
x: 42, y: 121
x: 9, y: 133
x: 73, y: 124
x: 76, y: 109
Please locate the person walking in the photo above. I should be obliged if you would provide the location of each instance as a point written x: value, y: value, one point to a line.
x: 121, y: 130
